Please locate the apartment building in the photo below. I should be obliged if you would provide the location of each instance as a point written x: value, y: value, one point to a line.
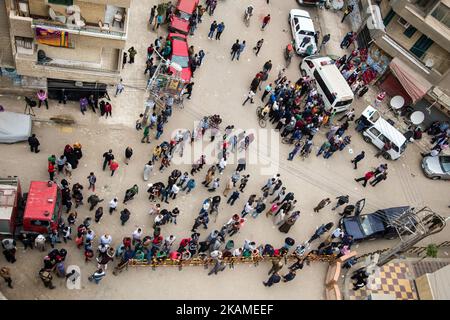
x: 68, y: 43
x: 415, y: 40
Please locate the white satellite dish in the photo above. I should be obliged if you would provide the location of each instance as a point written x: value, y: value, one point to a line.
x: 429, y: 63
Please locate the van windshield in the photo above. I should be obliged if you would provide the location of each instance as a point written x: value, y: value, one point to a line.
x: 343, y: 103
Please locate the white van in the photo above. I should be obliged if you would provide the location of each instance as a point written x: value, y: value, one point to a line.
x: 378, y: 131
x: 336, y: 93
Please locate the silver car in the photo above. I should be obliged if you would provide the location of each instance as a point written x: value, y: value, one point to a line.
x: 437, y: 168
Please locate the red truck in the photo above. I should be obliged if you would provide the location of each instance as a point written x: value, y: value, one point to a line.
x: 36, y: 212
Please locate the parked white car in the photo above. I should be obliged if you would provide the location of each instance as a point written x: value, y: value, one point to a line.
x: 302, y: 27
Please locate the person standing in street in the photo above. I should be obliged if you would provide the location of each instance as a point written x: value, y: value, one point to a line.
x: 357, y: 159
x: 6, y: 275
x: 108, y: 156
x: 34, y: 143
x: 234, y: 49
x: 274, y: 278
x: 347, y: 11
x: 97, y: 276
x: 113, y: 165
x: 188, y: 89
x: 250, y: 96
x: 119, y: 88
x: 258, y: 46
x: 128, y: 154
x: 234, y: 196
x: 325, y: 40
x: 152, y: 15
x: 124, y: 59
x: 322, y: 204
x: 113, y: 205
x: 42, y: 97
x: 265, y: 22
x: 132, y: 53
x: 46, y: 278
x: 277, y: 265
x: 51, y: 170
x: 92, y: 179
x: 267, y: 90
x: 294, y: 151
x: 220, y: 29
x: 212, y: 29
x: 241, y: 49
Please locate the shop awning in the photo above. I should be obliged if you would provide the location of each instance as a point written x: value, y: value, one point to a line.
x: 415, y: 85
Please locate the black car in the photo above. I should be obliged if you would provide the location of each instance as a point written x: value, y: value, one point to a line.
x: 373, y: 225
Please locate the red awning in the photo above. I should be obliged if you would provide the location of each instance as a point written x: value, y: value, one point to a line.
x: 415, y: 85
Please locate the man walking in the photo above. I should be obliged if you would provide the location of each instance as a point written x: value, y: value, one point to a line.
x: 119, y: 88
x: 6, y: 275
x: 108, y: 156
x: 267, y: 90
x: 322, y: 204
x: 188, y: 89
x: 275, y: 278
x: 250, y: 96
x: 357, y: 159
x: 212, y: 29
x: 369, y: 175
x: 234, y: 49
x: 347, y: 11
x: 34, y: 143
x: 220, y: 29
x: 277, y: 265
x: 266, y: 21
x: 234, y: 196
x: 295, y: 151
x: 258, y: 46
x: 325, y: 40
x: 241, y: 49
x: 92, y: 179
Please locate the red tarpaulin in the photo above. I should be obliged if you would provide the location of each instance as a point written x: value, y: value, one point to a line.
x: 414, y: 84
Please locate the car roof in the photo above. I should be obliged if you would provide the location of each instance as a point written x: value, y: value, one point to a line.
x: 173, y: 35
x: 38, y: 200
x: 304, y: 19
x: 390, y: 132
x: 180, y: 48
x: 179, y: 24
x: 187, y: 6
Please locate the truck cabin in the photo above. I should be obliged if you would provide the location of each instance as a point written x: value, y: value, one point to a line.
x: 43, y: 209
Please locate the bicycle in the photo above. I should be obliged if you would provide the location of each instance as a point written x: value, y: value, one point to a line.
x: 261, y: 120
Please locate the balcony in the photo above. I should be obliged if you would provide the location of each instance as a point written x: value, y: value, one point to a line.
x: 87, y: 30
x: 28, y: 65
x: 394, y: 49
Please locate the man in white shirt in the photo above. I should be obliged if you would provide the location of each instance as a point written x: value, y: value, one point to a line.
x: 174, y: 191
x: 247, y: 209
x: 106, y: 239
x: 137, y: 234
x: 113, y: 205
x: 250, y: 96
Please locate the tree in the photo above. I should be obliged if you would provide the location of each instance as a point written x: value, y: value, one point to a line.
x: 431, y: 252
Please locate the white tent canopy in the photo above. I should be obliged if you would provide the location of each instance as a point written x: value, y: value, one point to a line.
x: 14, y: 127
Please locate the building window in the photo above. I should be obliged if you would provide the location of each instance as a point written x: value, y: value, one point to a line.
x: 425, y: 5
x: 61, y: 2
x: 442, y: 13
x: 24, y: 45
x: 409, y: 32
x: 388, y: 18
x: 421, y: 46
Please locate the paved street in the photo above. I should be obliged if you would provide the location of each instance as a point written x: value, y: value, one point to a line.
x: 220, y: 87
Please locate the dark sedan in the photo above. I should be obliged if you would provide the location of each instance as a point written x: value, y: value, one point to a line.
x: 373, y: 225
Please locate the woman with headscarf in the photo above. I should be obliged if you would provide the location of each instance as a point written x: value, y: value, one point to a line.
x: 286, y: 226
x: 77, y: 150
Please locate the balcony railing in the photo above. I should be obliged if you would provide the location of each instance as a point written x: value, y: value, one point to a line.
x: 77, y: 67
x: 86, y: 30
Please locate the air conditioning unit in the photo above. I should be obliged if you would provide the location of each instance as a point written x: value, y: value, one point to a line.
x: 403, y: 23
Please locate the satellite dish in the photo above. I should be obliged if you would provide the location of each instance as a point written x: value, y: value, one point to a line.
x: 78, y: 84
x: 429, y: 63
